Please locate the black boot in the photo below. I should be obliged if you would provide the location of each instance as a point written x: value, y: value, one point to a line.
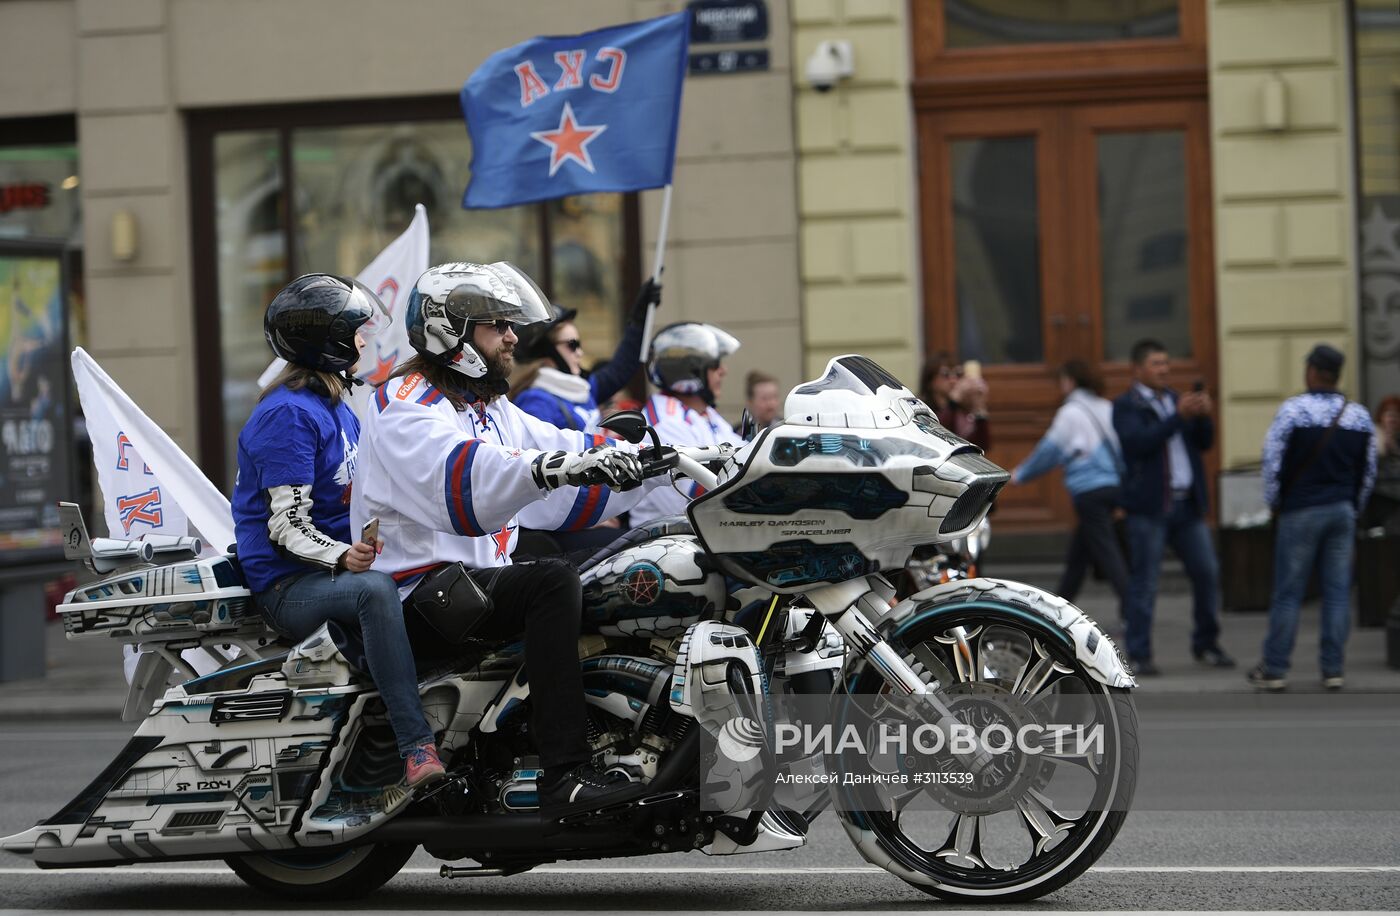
x: 583, y: 786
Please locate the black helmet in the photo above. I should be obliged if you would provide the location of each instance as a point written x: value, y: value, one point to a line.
x: 448, y: 300
x: 682, y: 354
x: 534, y: 339
x: 312, y: 322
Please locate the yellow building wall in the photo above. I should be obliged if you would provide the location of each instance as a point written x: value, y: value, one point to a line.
x: 1284, y: 204
x: 857, y: 192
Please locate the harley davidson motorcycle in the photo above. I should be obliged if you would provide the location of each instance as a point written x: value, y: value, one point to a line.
x: 772, y: 586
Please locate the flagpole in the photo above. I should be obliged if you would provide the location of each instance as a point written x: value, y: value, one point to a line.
x: 657, y: 262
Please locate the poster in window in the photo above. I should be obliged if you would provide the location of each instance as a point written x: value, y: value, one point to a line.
x: 1380, y: 295
x: 34, y: 411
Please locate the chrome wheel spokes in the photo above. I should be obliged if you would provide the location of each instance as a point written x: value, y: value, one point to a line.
x: 1065, y: 748
x: 964, y: 658
x: 998, y: 673
x: 964, y: 845
x: 1046, y: 825
x: 1039, y: 673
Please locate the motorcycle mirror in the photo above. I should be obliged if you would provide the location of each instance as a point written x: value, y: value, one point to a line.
x: 748, y: 426
x: 631, y: 425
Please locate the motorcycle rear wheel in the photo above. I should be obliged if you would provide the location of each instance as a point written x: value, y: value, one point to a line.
x: 332, y: 874
x: 957, y: 869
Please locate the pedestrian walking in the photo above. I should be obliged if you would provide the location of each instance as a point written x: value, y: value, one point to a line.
x: 1081, y: 438
x: 1164, y: 492
x: 1319, y: 467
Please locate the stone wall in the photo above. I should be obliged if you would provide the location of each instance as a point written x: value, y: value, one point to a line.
x: 1284, y: 204
x: 857, y: 190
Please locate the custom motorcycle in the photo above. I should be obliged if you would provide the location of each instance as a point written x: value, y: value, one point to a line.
x: 697, y: 631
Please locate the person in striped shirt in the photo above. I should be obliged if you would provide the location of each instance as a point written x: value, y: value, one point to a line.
x: 452, y: 469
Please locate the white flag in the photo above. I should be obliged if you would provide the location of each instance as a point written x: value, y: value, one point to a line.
x: 149, y: 486
x: 391, y: 276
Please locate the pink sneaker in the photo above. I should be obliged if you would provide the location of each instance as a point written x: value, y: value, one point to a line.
x: 423, y: 766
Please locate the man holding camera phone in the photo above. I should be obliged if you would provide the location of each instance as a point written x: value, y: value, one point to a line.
x: 1164, y: 493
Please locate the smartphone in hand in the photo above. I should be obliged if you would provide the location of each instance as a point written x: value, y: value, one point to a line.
x: 369, y: 534
x: 972, y: 369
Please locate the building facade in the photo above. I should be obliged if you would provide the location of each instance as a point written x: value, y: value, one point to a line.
x: 1014, y: 181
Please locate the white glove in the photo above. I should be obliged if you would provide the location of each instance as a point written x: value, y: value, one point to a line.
x: 602, y: 464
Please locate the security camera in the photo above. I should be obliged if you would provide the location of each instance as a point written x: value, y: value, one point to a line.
x: 831, y: 62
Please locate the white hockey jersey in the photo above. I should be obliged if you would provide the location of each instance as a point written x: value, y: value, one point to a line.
x: 677, y: 424
x: 449, y: 486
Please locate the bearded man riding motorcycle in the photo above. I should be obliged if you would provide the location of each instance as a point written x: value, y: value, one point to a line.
x: 451, y: 469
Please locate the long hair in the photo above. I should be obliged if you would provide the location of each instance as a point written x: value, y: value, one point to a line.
x: 460, y: 391
x: 1084, y: 376
x: 524, y: 376
x: 295, y: 377
x: 1388, y: 443
x: 935, y: 364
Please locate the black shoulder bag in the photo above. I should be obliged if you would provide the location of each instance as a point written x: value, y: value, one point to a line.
x: 450, y: 604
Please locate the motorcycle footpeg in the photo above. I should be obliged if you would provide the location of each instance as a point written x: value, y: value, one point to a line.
x: 433, y: 790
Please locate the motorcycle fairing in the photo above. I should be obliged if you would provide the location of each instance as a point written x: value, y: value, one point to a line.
x: 848, y: 485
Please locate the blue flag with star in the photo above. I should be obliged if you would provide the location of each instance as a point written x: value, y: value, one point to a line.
x: 575, y: 114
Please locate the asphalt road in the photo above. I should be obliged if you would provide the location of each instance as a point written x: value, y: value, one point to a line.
x: 1244, y: 803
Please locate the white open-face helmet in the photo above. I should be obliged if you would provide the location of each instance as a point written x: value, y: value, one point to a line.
x: 682, y: 354
x: 450, y: 299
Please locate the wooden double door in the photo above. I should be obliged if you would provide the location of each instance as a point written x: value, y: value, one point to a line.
x: 1064, y: 231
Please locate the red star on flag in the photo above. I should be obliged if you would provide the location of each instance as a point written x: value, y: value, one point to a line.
x: 502, y: 539
x: 382, y: 369
x: 569, y: 141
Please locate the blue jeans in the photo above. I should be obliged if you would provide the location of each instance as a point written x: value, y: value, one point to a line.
x: 368, y: 602
x: 1189, y: 538
x: 1324, y: 535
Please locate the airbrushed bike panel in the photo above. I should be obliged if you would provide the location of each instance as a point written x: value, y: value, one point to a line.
x: 655, y: 589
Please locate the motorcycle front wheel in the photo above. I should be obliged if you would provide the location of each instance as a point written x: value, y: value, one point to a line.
x: 1030, y: 822
x: 330, y: 874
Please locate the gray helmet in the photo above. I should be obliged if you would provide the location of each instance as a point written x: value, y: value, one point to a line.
x: 450, y: 299
x: 681, y: 355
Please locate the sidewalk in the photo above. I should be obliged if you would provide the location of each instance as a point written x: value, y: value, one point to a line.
x: 85, y: 678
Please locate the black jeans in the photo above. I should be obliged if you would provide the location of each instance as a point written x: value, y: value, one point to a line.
x: 544, y: 601
x: 1095, y: 541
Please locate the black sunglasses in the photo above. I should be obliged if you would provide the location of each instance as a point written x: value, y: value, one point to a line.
x: 500, y: 325
x: 573, y: 344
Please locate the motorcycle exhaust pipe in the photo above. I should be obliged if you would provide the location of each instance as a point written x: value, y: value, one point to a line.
x: 496, y: 832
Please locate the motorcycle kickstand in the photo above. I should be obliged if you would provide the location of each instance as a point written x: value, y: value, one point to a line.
x: 481, y: 871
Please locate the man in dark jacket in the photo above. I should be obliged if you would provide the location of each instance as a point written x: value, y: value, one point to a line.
x: 1162, y: 436
x: 1319, y: 466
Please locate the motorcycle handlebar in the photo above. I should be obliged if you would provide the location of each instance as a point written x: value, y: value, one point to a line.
x: 688, y: 459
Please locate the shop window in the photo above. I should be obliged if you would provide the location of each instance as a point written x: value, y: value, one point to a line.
x: 1142, y: 235
x: 290, y: 198
x: 1377, y: 36
x: 996, y: 243
x: 987, y: 23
